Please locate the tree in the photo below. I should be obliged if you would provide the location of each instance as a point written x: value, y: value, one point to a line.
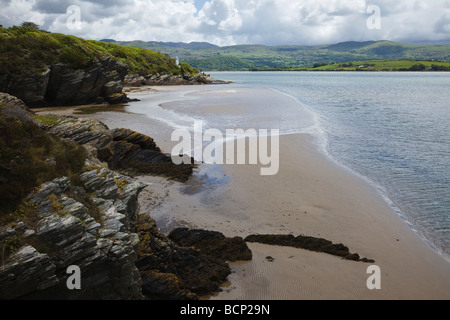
x: 29, y: 24
x: 418, y: 67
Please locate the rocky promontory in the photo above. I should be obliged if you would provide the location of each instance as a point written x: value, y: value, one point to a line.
x: 50, y: 69
x: 89, y: 216
x: 122, y: 149
x: 166, y: 79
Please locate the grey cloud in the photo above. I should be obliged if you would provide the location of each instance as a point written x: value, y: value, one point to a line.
x: 60, y: 6
x: 443, y: 25
x: 52, y: 6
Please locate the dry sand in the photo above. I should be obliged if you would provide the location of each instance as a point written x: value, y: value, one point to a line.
x: 311, y: 195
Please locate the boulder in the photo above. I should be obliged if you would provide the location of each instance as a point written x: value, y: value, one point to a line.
x: 213, y: 244
x: 170, y: 271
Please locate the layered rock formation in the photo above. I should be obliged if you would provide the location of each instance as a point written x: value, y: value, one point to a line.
x: 93, y: 221
x: 64, y: 232
x: 121, y: 149
x: 60, y: 84
x: 164, y: 79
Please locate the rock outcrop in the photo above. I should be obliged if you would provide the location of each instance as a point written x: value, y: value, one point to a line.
x: 99, y: 83
x: 93, y: 221
x: 212, y: 243
x: 61, y: 84
x: 122, y: 149
x: 308, y: 243
x: 12, y: 102
x: 165, y: 79
x: 103, y: 82
x: 65, y: 229
x: 170, y: 271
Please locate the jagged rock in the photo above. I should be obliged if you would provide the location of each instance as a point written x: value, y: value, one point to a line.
x: 96, y: 225
x: 133, y: 80
x: 66, y: 233
x: 165, y: 79
x: 173, y: 272
x: 7, y: 233
x: 26, y: 271
x: 61, y: 84
x: 308, y: 243
x: 122, y: 149
x: 68, y: 86
x: 32, y: 90
x: 212, y: 243
x: 12, y: 102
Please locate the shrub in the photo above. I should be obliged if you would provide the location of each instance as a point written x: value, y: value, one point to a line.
x: 29, y: 157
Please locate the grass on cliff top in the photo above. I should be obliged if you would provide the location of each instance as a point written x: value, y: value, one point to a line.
x: 29, y: 157
x: 27, y: 51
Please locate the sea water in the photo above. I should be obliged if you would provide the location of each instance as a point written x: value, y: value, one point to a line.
x: 390, y: 128
x: 393, y: 129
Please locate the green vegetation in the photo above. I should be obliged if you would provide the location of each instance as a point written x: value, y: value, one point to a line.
x: 99, y: 108
x: 221, y: 63
x: 259, y: 57
x: 380, y: 65
x: 27, y: 51
x: 29, y: 157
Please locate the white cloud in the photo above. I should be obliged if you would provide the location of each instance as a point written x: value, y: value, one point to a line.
x: 227, y: 22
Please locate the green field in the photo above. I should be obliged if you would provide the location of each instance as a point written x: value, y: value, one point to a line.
x: 381, y: 65
x: 208, y: 57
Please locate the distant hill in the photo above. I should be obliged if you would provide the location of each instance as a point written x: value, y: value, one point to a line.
x: 209, y: 57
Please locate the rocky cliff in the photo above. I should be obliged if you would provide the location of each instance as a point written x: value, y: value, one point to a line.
x: 50, y: 69
x: 61, y: 84
x: 92, y: 220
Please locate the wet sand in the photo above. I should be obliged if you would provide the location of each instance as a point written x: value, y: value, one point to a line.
x: 311, y: 195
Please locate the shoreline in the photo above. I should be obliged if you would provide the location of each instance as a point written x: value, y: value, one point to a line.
x: 312, y: 196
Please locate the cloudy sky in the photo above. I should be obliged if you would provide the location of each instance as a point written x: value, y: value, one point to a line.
x: 229, y: 22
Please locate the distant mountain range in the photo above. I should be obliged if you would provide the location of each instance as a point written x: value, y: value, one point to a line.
x: 209, y: 57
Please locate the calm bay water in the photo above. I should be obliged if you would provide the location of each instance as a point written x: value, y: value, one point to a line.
x: 391, y: 128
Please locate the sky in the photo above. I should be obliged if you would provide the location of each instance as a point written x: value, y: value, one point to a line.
x: 231, y: 22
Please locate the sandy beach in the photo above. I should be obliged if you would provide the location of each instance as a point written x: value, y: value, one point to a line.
x: 311, y: 195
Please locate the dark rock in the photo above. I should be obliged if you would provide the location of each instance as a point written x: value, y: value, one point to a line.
x: 173, y: 272
x: 68, y: 86
x: 132, y: 150
x: 31, y: 90
x: 68, y: 234
x: 308, y: 243
x: 97, y: 226
x: 213, y: 244
x: 165, y: 79
x: 122, y: 149
x: 12, y: 102
x: 61, y: 84
x: 26, y: 271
